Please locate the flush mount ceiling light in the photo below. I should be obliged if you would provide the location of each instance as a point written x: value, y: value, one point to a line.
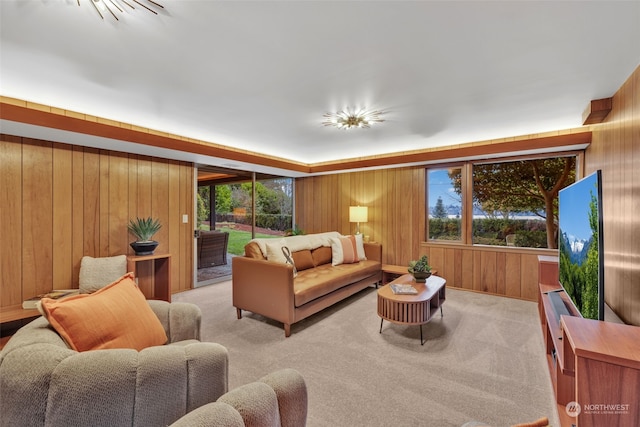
x: 348, y: 118
x: 111, y: 6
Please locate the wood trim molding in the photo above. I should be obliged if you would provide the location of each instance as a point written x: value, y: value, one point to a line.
x: 128, y: 133
x: 41, y: 115
x: 597, y: 111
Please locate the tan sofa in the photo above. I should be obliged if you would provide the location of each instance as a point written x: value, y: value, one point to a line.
x: 268, y: 287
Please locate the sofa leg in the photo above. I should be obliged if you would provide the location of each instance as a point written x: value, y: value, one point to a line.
x: 287, y: 330
x: 239, y: 313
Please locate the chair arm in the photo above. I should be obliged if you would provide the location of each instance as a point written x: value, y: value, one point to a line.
x: 291, y: 391
x: 216, y: 414
x: 263, y: 287
x: 181, y: 321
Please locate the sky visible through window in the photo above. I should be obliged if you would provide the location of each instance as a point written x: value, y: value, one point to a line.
x: 440, y: 185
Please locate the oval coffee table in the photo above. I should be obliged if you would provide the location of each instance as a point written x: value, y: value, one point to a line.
x: 408, y: 309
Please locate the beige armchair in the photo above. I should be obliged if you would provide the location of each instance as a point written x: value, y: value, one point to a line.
x: 44, y: 382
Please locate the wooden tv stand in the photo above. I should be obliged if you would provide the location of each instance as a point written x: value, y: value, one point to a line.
x: 592, y: 363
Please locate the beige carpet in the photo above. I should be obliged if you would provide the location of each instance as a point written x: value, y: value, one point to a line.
x: 484, y: 360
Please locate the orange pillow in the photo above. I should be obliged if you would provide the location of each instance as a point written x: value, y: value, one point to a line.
x: 321, y: 255
x: 303, y: 260
x: 116, y: 316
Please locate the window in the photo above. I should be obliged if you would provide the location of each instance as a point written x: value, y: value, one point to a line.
x: 231, y: 205
x: 513, y: 203
x: 445, y: 204
x: 516, y: 203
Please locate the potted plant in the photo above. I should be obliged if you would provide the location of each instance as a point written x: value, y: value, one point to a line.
x: 144, y: 229
x: 420, y: 269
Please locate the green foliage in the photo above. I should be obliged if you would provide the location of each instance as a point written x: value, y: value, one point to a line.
x: 238, y: 239
x: 295, y: 231
x: 223, y: 199
x: 439, y: 211
x: 591, y: 266
x: 144, y: 228
x: 581, y: 281
x: 445, y: 229
x: 493, y: 231
x: 274, y: 203
x: 531, y: 239
x: 521, y: 186
x: 203, y: 205
x: 421, y: 265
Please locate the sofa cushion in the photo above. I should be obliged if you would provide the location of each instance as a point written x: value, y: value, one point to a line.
x: 324, y: 279
x: 303, y: 260
x: 321, y: 255
x: 343, y: 250
x: 116, y: 316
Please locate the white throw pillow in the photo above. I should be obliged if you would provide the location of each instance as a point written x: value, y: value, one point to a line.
x: 360, y: 247
x: 274, y: 251
x: 96, y: 273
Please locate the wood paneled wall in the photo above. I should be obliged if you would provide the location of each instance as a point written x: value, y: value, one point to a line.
x: 396, y: 202
x: 615, y: 149
x: 395, y: 199
x: 60, y: 202
x: 511, y: 272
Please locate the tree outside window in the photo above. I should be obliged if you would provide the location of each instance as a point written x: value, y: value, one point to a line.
x: 517, y: 200
x: 445, y: 205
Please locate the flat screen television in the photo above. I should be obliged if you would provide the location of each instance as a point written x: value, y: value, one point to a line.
x: 580, y: 245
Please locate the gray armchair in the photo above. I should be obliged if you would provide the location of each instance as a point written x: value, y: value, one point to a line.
x: 44, y: 382
x: 276, y: 400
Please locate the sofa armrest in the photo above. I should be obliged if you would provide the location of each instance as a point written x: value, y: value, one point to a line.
x: 263, y: 287
x: 181, y: 321
x: 373, y: 251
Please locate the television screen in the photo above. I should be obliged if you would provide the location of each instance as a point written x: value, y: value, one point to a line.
x: 580, y: 245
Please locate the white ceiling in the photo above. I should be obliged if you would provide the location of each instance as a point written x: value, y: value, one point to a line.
x: 259, y: 75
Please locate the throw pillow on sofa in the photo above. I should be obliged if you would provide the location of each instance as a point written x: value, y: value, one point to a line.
x: 116, y: 316
x: 360, y: 247
x: 343, y: 250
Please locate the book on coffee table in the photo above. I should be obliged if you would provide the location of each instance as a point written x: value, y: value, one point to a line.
x: 403, y: 289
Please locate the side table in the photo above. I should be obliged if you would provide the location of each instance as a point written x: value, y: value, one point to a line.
x: 153, y: 274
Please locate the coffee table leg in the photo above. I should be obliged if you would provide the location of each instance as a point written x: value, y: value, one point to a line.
x: 381, y: 320
x: 441, y: 315
x: 421, y: 341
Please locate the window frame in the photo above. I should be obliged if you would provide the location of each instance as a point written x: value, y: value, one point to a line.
x: 467, y: 192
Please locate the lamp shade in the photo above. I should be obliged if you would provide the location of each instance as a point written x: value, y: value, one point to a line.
x: 358, y: 213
